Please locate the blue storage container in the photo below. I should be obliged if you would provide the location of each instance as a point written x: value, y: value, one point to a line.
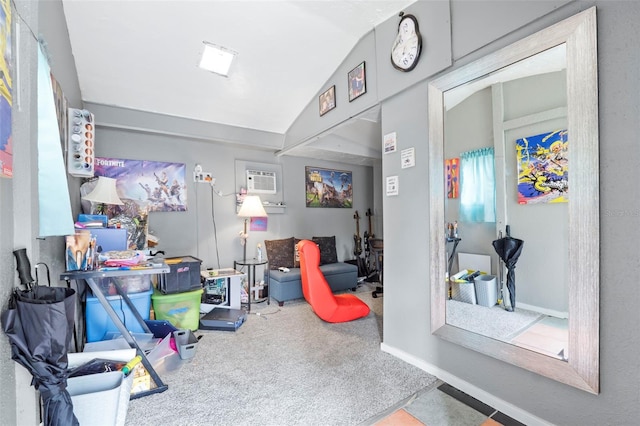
x: 98, y: 322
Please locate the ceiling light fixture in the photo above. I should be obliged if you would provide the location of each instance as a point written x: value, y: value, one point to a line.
x: 216, y: 59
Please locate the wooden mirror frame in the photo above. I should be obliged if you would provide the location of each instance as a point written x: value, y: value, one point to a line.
x: 582, y: 368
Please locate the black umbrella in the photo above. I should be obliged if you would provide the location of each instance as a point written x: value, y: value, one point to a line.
x: 39, y: 324
x: 509, y: 249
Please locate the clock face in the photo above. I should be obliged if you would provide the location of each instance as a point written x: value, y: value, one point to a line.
x: 407, y: 46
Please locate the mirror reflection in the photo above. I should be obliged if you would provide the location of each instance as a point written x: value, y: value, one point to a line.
x: 506, y: 207
x: 557, y: 271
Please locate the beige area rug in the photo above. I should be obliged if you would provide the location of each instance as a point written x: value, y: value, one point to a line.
x: 493, y: 322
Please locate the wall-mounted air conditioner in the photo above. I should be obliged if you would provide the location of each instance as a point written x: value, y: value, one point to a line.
x: 261, y: 182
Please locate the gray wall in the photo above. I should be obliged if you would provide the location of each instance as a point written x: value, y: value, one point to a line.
x: 193, y: 232
x: 407, y: 297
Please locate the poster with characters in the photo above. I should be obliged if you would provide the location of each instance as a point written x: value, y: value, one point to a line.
x: 157, y: 185
x: 543, y: 168
x: 328, y: 188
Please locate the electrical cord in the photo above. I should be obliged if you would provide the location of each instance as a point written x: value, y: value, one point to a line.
x: 215, y: 229
x: 213, y: 219
x: 265, y: 314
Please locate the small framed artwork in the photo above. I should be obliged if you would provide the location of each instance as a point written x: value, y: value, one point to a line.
x: 357, y: 82
x: 452, y: 170
x: 328, y: 100
x: 258, y: 224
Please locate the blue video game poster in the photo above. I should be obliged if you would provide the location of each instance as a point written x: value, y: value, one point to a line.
x: 543, y: 168
x: 328, y: 188
x: 158, y: 185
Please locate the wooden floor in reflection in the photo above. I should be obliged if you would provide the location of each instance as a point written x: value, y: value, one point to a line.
x: 549, y: 336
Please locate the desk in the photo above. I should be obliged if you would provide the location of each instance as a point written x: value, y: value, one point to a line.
x: 89, y: 277
x: 251, y: 276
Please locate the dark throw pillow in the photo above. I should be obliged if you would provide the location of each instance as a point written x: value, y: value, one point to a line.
x: 279, y: 253
x: 327, y: 247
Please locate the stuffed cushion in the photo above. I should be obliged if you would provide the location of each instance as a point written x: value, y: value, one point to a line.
x: 296, y: 254
x: 327, y: 246
x: 280, y: 253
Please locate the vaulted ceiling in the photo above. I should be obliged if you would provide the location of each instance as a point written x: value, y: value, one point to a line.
x: 143, y: 55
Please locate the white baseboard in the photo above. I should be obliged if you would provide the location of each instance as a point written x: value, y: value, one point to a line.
x: 466, y: 387
x: 543, y: 311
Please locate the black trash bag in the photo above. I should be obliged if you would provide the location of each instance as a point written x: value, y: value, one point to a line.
x: 509, y: 250
x: 39, y: 325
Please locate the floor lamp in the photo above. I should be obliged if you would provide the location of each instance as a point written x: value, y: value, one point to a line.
x: 251, y: 207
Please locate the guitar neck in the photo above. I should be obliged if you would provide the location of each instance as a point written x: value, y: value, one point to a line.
x: 370, y: 215
x: 356, y: 238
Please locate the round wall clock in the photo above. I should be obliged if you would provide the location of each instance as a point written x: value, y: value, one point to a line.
x: 407, y: 46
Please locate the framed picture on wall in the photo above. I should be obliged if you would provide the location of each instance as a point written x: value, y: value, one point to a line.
x: 328, y: 100
x: 357, y: 82
x: 452, y: 170
x: 543, y: 168
x: 328, y: 187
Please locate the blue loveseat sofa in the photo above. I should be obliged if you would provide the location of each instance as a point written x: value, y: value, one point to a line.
x: 284, y: 286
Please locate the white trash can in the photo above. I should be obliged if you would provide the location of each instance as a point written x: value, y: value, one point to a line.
x: 486, y: 290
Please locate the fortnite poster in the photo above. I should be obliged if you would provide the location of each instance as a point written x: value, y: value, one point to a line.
x: 157, y: 185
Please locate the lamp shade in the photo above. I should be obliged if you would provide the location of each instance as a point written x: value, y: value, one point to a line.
x: 252, y: 207
x: 105, y: 192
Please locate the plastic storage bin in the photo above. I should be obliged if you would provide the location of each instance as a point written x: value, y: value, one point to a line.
x: 182, y: 310
x: 463, y: 292
x: 98, y: 322
x: 184, y: 275
x: 100, y: 399
x: 486, y: 290
x: 129, y: 284
x: 186, y: 343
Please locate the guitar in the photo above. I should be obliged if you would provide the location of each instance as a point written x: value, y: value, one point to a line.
x: 367, y: 237
x: 362, y: 267
x: 356, y: 238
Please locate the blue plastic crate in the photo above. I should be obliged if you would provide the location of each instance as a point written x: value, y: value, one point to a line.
x: 98, y: 322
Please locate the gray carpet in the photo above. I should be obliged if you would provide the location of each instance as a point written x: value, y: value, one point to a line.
x: 285, y: 367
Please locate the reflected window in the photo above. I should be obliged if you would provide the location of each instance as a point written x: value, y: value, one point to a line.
x: 477, y: 186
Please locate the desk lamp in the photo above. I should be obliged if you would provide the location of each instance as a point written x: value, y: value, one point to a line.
x: 104, y: 193
x: 251, y: 207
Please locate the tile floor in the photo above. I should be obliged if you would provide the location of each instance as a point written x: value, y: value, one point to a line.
x: 441, y: 405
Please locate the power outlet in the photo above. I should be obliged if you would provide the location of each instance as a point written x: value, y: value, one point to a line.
x: 203, y: 177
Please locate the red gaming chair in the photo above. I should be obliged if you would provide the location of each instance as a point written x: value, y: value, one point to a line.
x: 316, y: 290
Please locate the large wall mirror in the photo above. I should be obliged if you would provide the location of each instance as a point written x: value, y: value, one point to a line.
x: 514, y: 156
